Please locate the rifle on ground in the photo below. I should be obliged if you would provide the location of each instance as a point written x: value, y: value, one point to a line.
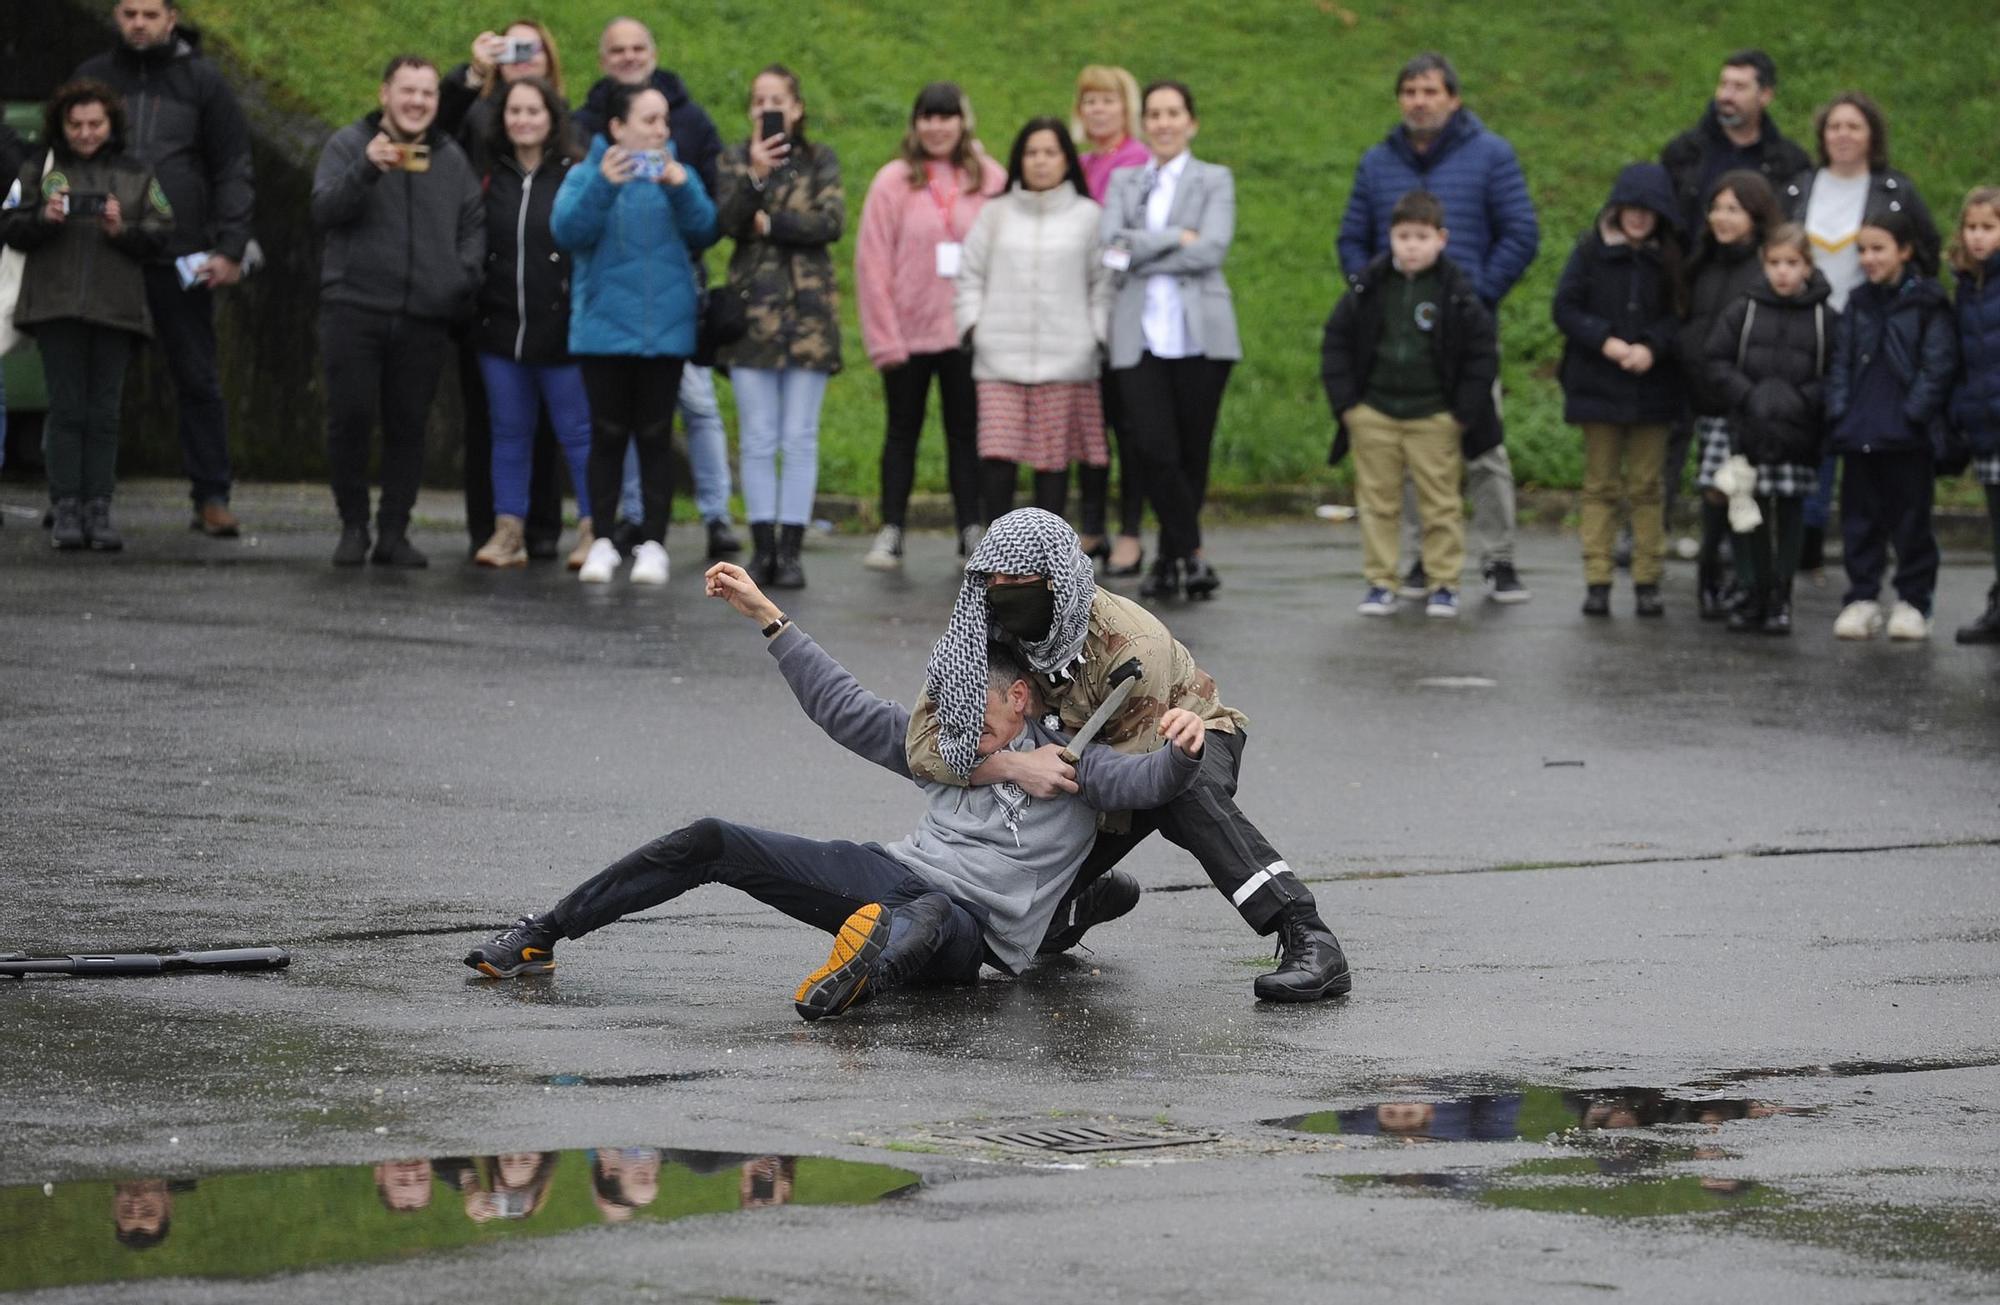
x: 19, y: 965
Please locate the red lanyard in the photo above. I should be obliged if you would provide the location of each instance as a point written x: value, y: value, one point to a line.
x: 946, y: 201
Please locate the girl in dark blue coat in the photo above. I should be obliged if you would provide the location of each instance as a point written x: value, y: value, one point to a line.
x: 1895, y: 355
x: 1616, y: 307
x: 1975, y: 404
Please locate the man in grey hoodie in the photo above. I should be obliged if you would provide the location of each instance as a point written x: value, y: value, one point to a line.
x: 978, y: 881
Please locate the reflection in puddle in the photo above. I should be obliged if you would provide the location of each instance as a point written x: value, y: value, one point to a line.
x: 249, y: 1225
x: 1525, y: 1113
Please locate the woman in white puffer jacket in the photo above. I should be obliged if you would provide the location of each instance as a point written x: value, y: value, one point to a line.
x: 1034, y: 300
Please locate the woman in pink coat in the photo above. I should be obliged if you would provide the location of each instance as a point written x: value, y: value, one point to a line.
x: 919, y: 209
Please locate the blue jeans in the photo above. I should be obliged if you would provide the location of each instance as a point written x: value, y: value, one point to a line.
x: 779, y: 411
x: 708, y: 451
x: 817, y: 883
x: 515, y: 393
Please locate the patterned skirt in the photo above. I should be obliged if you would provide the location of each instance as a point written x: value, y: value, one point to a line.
x: 1046, y: 426
x: 1774, y: 479
x: 1986, y: 470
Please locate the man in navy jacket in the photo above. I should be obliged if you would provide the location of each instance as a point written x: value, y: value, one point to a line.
x: 1442, y: 147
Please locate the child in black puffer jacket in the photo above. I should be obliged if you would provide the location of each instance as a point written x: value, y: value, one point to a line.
x: 1766, y: 360
x: 1975, y: 404
x: 1742, y: 210
x: 1616, y: 306
x: 1894, y: 356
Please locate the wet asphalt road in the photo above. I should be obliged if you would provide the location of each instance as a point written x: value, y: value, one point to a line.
x: 1773, y: 877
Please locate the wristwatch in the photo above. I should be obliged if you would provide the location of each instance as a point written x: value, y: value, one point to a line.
x: 777, y: 625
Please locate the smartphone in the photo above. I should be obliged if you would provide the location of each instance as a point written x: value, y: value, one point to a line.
x: 649, y: 165
x: 771, y: 123
x: 522, y: 50
x: 83, y: 203
x: 416, y: 157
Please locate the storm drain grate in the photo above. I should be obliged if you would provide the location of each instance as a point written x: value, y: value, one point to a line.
x: 1081, y: 1139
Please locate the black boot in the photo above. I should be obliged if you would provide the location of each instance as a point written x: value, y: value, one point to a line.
x: 1597, y: 600
x: 763, y: 551
x: 66, y: 525
x: 1310, y: 962
x: 393, y: 548
x: 1163, y: 581
x: 1709, y: 593
x: 98, y: 532
x: 1200, y: 581
x: 1778, y: 615
x: 722, y: 541
x: 1646, y: 601
x: 788, y: 573
x: 1750, y: 613
x: 352, y: 550
x: 1113, y: 894
x: 1987, y: 628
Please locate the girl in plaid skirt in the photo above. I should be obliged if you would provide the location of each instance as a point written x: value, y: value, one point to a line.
x: 1766, y: 357
x: 1741, y: 210
x: 1975, y: 405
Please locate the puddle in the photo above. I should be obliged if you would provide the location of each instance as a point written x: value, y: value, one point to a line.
x: 253, y: 1225
x: 1523, y: 1187
x: 1527, y: 1113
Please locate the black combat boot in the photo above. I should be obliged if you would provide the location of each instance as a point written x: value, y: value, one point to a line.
x: 763, y: 551
x: 1310, y: 962
x: 1987, y: 628
x: 1112, y: 894
x: 98, y: 532
x: 787, y: 572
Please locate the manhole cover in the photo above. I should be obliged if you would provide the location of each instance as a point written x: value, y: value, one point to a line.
x: 1081, y: 1139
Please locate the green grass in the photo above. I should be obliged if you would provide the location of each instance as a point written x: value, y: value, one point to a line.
x: 1291, y: 92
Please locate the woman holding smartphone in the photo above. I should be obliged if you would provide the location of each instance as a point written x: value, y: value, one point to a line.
x: 91, y: 218
x: 1167, y: 228
x: 919, y: 209
x: 632, y: 218
x: 781, y: 202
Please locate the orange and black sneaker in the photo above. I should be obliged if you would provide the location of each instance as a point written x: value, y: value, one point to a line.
x: 850, y: 968
x: 527, y: 948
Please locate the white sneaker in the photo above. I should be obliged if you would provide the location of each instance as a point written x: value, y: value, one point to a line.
x: 887, y: 554
x: 1862, y: 620
x: 1906, y: 622
x: 601, y: 564
x: 649, y: 564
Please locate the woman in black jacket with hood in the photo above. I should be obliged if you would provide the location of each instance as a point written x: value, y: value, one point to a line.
x: 1765, y: 361
x: 1616, y: 306
x: 1741, y: 210
x: 521, y: 331
x: 90, y: 217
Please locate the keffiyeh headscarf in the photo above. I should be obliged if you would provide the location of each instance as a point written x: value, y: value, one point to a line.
x: 1027, y: 541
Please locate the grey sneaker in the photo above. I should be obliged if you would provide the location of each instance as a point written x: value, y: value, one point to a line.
x: 968, y: 539
x: 887, y: 553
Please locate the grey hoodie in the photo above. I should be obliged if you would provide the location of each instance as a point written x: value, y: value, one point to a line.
x: 408, y: 243
x: 1008, y: 868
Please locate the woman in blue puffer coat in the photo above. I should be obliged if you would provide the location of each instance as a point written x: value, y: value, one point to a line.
x: 632, y: 218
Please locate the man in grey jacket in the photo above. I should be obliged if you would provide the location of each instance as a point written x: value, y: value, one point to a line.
x: 978, y: 881
x: 405, y: 237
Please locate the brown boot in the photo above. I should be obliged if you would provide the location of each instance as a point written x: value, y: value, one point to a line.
x: 585, y: 537
x: 507, y: 548
x: 215, y: 520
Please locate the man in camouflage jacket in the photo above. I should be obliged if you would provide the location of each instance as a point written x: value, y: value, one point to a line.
x: 1030, y: 586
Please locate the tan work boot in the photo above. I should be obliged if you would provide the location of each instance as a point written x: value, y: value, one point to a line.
x: 585, y: 537
x: 508, y: 547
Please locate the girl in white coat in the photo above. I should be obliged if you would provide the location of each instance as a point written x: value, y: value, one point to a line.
x: 1033, y: 299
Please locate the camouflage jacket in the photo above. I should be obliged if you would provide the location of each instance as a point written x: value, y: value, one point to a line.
x: 787, y: 275
x: 1119, y: 628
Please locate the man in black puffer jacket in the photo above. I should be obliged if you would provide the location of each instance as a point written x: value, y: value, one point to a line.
x: 184, y: 120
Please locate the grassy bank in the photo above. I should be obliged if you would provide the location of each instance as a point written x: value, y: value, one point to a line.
x: 1291, y: 92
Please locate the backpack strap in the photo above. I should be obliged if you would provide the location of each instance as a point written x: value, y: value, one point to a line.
x: 1743, y: 337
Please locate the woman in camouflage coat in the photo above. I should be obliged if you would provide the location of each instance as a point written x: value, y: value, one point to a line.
x: 780, y: 200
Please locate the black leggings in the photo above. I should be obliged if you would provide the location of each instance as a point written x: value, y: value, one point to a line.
x: 1768, y: 557
x: 633, y: 399
x: 904, y: 390
x: 1171, y: 406
x: 996, y: 484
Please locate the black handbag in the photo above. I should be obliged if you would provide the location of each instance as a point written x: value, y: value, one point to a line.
x: 725, y: 319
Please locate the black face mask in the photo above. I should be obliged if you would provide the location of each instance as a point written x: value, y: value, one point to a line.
x: 1024, y: 611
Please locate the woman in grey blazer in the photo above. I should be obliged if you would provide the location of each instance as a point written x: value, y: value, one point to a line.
x: 1167, y: 228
